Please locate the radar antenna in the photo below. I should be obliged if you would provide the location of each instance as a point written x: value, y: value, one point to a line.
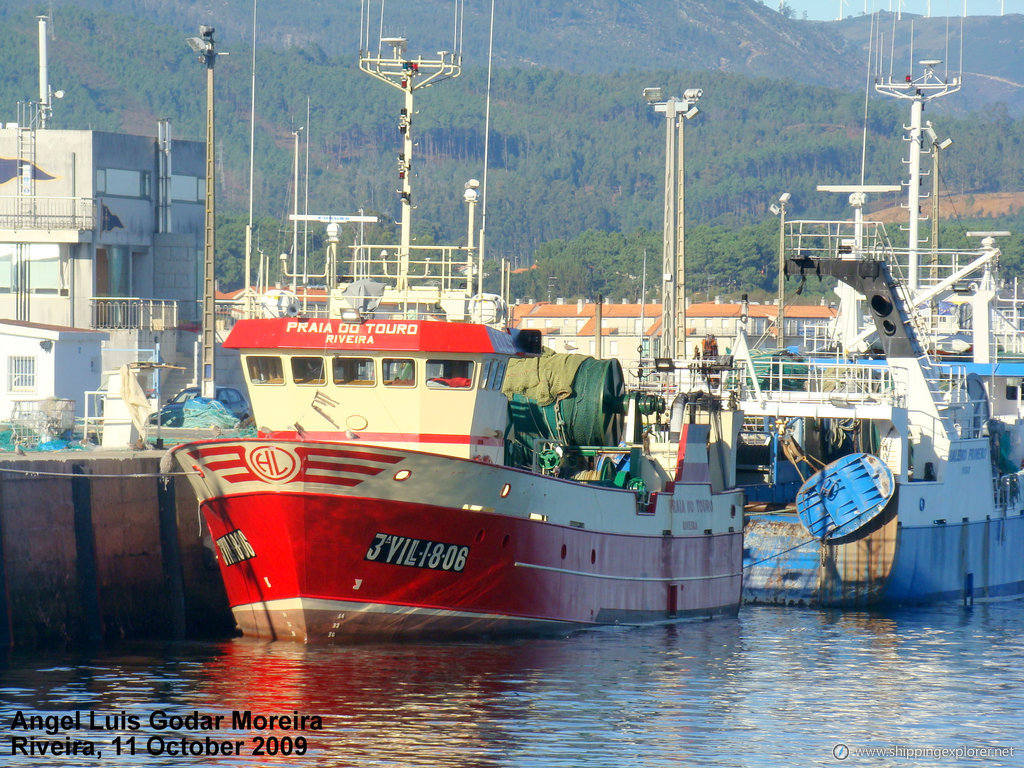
x: 408, y: 75
x: 917, y: 90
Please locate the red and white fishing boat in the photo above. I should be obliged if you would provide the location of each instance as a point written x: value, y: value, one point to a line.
x: 420, y: 470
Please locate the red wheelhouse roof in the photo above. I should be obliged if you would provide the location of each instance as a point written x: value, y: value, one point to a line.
x: 398, y: 335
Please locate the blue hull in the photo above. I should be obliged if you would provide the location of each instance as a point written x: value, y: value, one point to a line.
x: 896, y: 564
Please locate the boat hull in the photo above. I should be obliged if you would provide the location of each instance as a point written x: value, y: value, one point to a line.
x: 892, y: 564
x: 325, y: 562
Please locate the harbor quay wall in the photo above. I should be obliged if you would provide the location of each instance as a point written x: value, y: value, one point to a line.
x: 97, y: 546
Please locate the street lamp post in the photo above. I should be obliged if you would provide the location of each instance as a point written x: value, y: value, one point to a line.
x: 673, y: 313
x: 780, y: 211
x: 203, y: 45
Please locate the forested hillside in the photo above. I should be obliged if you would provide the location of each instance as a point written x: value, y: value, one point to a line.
x: 568, y: 154
x: 760, y: 38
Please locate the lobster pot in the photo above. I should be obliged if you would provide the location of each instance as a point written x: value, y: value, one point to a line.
x: 591, y: 414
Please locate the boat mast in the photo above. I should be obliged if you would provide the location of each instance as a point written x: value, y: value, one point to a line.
x: 917, y: 90
x: 409, y: 75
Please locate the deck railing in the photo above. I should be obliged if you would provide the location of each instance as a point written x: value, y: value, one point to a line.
x: 448, y: 268
x: 783, y: 379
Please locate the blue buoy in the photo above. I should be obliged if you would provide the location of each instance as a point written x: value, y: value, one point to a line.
x: 845, y: 496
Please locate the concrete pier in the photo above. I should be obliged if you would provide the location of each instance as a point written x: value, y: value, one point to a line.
x: 95, y: 546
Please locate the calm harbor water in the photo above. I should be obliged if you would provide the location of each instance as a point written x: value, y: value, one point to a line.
x: 773, y: 687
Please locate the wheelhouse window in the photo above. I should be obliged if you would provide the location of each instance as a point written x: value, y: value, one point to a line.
x: 308, y: 371
x: 398, y: 372
x: 353, y: 371
x: 264, y: 369
x: 496, y: 375
x: 449, y: 374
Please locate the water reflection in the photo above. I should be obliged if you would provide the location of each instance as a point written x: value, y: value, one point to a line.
x: 773, y: 687
x: 482, y: 704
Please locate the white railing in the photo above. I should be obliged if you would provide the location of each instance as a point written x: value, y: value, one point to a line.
x: 36, y: 212
x: 821, y: 381
x: 1007, y: 334
x: 837, y: 239
x: 124, y: 313
x: 447, y: 268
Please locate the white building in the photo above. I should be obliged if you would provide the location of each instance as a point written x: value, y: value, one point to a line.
x: 104, y: 231
x: 41, y: 361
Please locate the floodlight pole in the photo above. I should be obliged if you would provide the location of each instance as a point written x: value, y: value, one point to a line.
x: 937, y: 149
x: 673, y: 305
x: 472, y: 196
x: 204, y: 47
x: 780, y: 322
x: 295, y: 212
x: 669, y: 256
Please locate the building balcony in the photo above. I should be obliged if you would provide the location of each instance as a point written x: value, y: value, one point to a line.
x: 131, y: 314
x: 34, y: 212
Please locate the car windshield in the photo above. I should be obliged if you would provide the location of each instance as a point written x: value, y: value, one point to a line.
x: 184, y: 396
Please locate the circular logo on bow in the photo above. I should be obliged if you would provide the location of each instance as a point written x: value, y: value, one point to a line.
x: 273, y: 464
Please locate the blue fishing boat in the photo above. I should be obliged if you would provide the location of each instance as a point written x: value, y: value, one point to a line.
x: 934, y: 397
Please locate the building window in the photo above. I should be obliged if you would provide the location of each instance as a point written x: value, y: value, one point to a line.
x: 39, y: 267
x: 21, y: 374
x: 120, y: 182
x: 8, y: 260
x: 46, y: 268
x: 614, y: 351
x: 187, y: 189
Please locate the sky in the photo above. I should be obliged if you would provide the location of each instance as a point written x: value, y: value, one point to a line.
x: 829, y: 9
